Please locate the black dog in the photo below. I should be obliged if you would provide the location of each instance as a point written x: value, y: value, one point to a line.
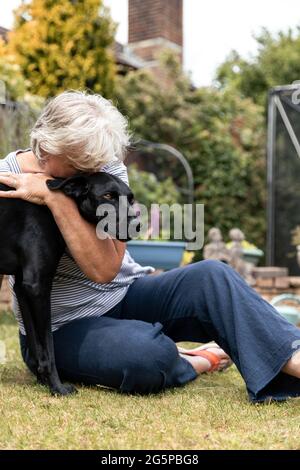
x: 31, y: 246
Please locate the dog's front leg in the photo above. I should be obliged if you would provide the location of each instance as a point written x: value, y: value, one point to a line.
x: 34, y: 301
x: 32, y: 340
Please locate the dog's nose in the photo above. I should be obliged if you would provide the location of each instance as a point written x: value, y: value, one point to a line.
x: 135, y: 209
x: 132, y: 217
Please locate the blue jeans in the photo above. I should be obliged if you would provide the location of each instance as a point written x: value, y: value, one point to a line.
x: 132, y: 347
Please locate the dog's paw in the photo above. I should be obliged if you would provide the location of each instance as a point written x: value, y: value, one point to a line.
x: 41, y: 380
x: 63, y: 390
x: 70, y: 389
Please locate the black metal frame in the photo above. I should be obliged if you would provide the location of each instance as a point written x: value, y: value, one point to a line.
x: 275, y: 106
x: 179, y: 156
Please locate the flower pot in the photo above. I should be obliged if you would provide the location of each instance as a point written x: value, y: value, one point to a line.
x: 159, y: 254
x: 252, y: 255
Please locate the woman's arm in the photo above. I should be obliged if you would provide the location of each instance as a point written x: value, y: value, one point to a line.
x: 100, y: 260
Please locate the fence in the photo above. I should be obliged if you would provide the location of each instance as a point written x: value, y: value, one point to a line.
x: 16, y: 119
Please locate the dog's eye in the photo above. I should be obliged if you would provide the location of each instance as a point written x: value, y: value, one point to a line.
x: 108, y: 196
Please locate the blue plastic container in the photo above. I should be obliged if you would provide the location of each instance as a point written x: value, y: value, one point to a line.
x: 159, y: 254
x: 289, y: 312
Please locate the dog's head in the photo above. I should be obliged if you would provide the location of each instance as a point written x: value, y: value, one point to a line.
x: 101, y: 197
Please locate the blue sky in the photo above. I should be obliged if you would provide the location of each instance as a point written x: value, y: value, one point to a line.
x: 211, y: 28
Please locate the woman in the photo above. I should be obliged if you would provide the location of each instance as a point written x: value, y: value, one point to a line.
x: 113, y: 323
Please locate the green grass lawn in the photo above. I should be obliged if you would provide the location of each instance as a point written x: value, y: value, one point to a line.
x: 211, y: 412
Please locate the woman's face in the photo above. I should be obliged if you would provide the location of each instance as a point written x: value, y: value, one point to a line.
x: 58, y: 167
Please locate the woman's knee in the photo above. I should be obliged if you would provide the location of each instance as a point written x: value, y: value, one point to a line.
x: 212, y: 267
x: 150, y: 362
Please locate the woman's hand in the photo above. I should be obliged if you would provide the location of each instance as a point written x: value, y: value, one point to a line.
x: 28, y: 186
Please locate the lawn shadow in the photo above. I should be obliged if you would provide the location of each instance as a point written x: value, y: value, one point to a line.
x: 14, y: 375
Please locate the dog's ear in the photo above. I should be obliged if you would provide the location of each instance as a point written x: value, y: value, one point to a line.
x: 74, y: 186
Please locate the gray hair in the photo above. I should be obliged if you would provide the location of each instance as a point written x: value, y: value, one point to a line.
x: 86, y: 129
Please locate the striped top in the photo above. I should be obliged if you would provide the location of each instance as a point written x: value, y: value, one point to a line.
x: 73, y: 295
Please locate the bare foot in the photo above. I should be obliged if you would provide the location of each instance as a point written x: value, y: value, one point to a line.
x: 292, y: 367
x: 202, y: 364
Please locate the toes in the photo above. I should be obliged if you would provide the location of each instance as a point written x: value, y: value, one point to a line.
x: 220, y: 353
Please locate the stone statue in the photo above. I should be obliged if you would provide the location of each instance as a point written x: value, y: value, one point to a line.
x: 216, y: 248
x: 244, y: 268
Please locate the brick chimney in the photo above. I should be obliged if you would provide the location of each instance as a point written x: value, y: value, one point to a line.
x: 155, y: 25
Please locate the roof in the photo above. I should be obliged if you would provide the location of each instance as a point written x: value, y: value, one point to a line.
x: 3, y: 32
x: 125, y: 57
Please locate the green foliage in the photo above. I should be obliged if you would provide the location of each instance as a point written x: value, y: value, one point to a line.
x: 295, y: 236
x: 17, y: 118
x: 277, y: 62
x: 11, y: 75
x: 221, y: 135
x: 148, y: 190
x: 65, y: 44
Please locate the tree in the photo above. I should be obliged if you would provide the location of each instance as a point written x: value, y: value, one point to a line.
x: 277, y: 62
x: 65, y: 44
x: 221, y: 134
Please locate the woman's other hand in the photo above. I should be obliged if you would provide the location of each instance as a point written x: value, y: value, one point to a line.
x: 28, y: 186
